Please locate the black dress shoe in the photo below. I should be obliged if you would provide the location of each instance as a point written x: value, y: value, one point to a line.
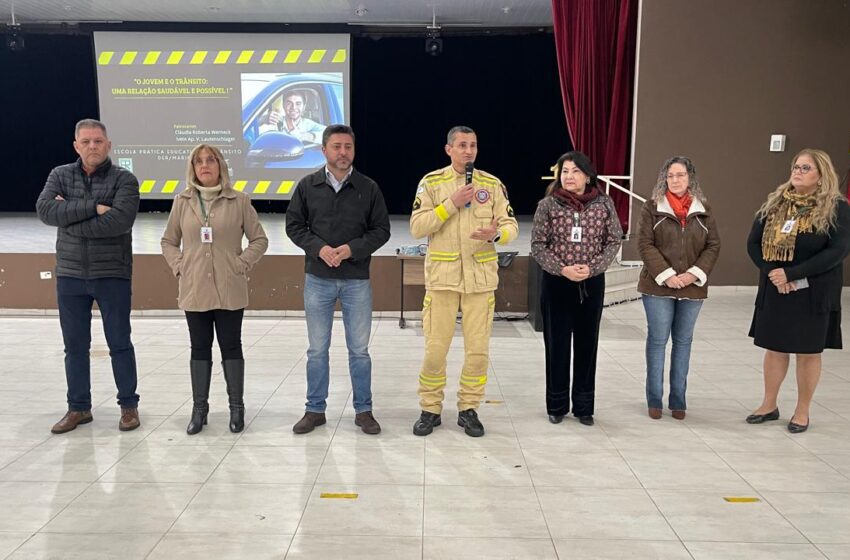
x: 586, y: 420
x: 468, y: 420
x: 426, y: 423
x: 761, y: 418
x: 795, y: 428
x: 556, y: 418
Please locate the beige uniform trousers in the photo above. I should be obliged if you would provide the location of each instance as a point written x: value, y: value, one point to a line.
x: 439, y: 315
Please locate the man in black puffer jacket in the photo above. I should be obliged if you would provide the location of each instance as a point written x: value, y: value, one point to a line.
x: 94, y: 205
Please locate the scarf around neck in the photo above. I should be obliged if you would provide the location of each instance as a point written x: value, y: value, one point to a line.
x: 681, y: 205
x: 576, y: 201
x: 777, y: 245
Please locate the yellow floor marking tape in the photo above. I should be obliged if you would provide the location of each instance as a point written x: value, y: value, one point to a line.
x: 339, y: 496
x: 741, y: 500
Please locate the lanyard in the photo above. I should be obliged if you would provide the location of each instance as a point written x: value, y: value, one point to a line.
x: 203, y: 210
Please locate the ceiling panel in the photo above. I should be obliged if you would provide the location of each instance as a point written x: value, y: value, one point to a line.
x: 487, y: 13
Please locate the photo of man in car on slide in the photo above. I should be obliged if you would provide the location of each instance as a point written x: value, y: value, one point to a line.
x: 284, y: 115
x: 293, y: 121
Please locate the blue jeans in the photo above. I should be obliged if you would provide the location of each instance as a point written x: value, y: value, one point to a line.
x: 666, y: 316
x: 75, y: 298
x: 355, y: 297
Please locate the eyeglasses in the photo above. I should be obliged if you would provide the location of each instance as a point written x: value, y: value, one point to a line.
x: 671, y: 176
x: 209, y: 160
x: 803, y: 169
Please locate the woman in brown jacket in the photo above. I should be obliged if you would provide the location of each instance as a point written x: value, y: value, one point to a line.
x: 679, y: 244
x: 210, y: 218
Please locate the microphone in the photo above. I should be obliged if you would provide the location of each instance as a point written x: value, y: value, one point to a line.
x: 469, y: 168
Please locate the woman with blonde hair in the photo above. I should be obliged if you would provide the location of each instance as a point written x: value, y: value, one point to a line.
x: 203, y: 246
x: 798, y: 241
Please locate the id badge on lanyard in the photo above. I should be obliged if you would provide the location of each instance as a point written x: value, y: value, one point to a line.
x: 206, y: 230
x: 788, y: 226
x: 575, y: 234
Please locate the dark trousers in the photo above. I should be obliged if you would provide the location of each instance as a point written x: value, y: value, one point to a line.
x: 75, y: 298
x: 571, y: 315
x: 228, y: 330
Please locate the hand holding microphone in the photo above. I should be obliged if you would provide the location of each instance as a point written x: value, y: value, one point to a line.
x: 463, y: 196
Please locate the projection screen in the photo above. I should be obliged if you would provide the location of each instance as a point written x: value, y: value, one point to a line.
x: 263, y: 99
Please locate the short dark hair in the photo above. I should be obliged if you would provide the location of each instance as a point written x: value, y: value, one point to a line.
x: 89, y: 123
x: 300, y: 94
x: 336, y: 129
x: 460, y: 129
x: 582, y: 162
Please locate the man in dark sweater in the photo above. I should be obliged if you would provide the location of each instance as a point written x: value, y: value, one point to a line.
x: 94, y: 205
x: 338, y: 217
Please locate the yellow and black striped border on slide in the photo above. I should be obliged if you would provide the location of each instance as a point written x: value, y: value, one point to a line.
x: 173, y: 186
x: 173, y: 58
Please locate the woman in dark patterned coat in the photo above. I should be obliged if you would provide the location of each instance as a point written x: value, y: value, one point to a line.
x: 575, y: 237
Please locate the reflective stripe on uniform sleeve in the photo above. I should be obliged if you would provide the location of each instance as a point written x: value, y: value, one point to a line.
x: 441, y: 213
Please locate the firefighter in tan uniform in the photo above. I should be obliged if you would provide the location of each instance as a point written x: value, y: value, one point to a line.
x: 463, y: 223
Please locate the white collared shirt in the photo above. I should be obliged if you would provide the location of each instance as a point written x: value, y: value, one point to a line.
x: 337, y: 185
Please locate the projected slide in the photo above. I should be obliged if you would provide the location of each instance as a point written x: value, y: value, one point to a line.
x: 264, y: 100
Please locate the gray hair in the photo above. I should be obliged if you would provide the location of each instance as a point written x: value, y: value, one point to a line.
x: 455, y: 130
x: 89, y: 123
x: 660, y: 189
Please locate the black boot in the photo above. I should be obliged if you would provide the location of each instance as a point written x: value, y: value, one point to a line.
x: 234, y: 375
x: 201, y: 372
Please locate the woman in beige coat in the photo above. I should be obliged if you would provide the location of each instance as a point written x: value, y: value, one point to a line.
x: 210, y: 219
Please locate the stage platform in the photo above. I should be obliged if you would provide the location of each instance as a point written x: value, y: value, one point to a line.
x: 24, y: 233
x: 27, y: 250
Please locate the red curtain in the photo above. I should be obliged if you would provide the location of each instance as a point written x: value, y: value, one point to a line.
x: 595, y: 42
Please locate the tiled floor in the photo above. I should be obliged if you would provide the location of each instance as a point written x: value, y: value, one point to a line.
x: 629, y: 487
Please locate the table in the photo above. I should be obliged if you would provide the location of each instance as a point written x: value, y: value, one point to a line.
x: 412, y: 274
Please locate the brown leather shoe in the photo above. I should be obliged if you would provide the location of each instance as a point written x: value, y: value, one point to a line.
x: 678, y: 414
x: 129, y: 419
x: 309, y: 421
x: 655, y: 413
x: 71, y: 420
x: 367, y: 423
